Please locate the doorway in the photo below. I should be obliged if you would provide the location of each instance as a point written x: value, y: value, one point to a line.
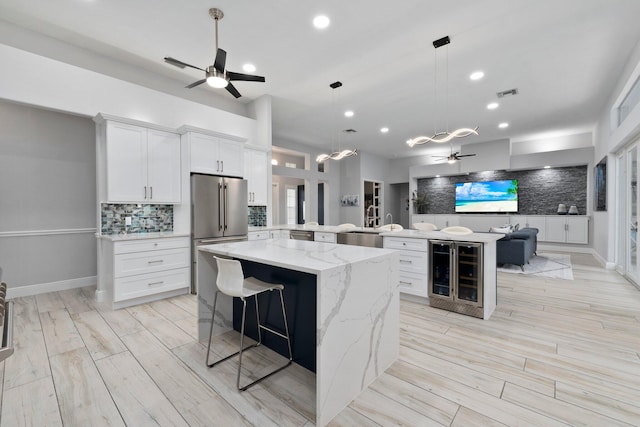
x: 372, y: 204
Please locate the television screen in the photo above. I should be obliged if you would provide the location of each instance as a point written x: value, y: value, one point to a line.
x: 487, y: 196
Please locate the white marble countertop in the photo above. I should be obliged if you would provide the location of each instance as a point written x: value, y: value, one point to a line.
x: 300, y: 255
x: 439, y: 235
x: 140, y: 236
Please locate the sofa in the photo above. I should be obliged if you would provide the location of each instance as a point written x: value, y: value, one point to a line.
x: 517, y: 247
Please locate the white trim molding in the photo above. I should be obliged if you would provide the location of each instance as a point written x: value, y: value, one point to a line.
x: 30, y: 233
x: 41, y: 288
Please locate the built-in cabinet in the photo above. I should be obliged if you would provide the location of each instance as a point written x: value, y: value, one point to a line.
x: 256, y: 174
x: 567, y: 229
x: 413, y: 264
x: 279, y: 234
x: 323, y: 236
x: 215, y: 155
x: 573, y: 229
x: 141, y: 270
x: 258, y: 235
x: 138, y: 164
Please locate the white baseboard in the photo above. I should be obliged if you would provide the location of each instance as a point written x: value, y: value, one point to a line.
x: 41, y: 288
x: 562, y: 248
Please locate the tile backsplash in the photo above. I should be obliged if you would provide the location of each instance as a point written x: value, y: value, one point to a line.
x: 144, y: 218
x: 257, y: 216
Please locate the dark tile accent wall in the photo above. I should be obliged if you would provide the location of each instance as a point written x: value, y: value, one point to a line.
x: 257, y: 216
x: 144, y: 218
x: 539, y: 190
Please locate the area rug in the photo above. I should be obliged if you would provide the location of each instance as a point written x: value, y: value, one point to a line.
x: 557, y: 266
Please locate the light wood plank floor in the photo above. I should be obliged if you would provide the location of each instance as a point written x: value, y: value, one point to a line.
x: 554, y: 353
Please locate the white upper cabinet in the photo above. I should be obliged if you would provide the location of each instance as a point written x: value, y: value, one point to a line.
x: 142, y: 165
x: 215, y: 156
x: 256, y: 174
x: 163, y: 166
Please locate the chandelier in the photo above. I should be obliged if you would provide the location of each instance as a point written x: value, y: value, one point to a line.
x: 442, y: 136
x: 339, y: 154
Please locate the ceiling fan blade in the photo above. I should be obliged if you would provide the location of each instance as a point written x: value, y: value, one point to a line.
x: 466, y: 155
x: 179, y: 64
x: 233, y: 91
x: 194, y: 84
x: 221, y: 60
x: 244, y: 77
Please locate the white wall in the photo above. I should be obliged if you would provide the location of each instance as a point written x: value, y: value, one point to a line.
x: 44, y: 82
x: 48, y: 191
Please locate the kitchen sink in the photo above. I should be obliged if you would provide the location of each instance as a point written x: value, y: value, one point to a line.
x: 370, y: 238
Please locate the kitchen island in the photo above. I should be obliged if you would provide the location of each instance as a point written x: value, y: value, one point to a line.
x: 356, y: 327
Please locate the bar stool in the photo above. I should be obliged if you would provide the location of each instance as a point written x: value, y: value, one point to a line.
x: 231, y: 282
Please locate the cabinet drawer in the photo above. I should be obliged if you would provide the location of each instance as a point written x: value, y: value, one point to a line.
x: 149, y: 262
x: 413, y: 262
x: 144, y: 245
x: 258, y: 235
x: 320, y: 236
x: 421, y: 245
x: 414, y: 282
x: 149, y: 284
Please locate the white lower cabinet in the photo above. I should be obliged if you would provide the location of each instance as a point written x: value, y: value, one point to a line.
x: 413, y: 269
x: 138, y: 271
x: 279, y: 234
x: 258, y: 235
x: 567, y: 229
x: 321, y: 236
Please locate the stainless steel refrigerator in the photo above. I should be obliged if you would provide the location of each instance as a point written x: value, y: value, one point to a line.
x: 218, y: 213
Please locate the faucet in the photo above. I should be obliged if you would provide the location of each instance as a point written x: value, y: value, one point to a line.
x: 369, y: 218
x: 388, y: 215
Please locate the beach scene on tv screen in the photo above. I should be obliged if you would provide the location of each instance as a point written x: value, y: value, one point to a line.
x: 488, y: 196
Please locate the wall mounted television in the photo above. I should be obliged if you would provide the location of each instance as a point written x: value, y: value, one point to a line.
x: 487, y: 196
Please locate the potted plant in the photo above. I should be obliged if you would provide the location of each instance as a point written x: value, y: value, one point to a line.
x: 420, y: 202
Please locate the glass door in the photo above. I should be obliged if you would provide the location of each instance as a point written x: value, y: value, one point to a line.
x: 440, y: 279
x: 469, y: 273
x: 631, y: 267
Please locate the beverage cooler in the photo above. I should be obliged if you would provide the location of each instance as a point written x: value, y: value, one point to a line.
x: 455, y: 276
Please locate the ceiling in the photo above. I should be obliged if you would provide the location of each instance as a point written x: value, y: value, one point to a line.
x: 564, y: 57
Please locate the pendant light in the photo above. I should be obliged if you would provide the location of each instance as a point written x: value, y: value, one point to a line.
x: 340, y: 154
x: 442, y: 136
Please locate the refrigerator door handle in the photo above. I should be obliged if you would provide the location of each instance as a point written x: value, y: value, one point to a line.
x: 226, y: 207
x: 220, y: 201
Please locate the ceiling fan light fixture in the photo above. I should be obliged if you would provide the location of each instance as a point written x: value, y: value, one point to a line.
x: 215, y: 78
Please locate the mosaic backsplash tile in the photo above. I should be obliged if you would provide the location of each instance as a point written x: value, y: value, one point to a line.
x: 257, y: 216
x: 144, y: 218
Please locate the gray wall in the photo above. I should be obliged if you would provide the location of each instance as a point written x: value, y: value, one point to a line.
x: 539, y: 191
x: 47, y: 196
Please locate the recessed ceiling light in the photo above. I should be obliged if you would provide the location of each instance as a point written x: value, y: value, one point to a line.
x: 476, y: 75
x: 321, y: 21
x: 492, y: 106
x: 274, y: 162
x: 249, y: 68
x: 384, y: 130
x: 348, y: 113
x: 547, y: 167
x: 437, y: 176
x: 503, y: 125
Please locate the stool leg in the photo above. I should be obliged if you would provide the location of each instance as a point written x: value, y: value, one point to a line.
x: 213, y: 316
x: 286, y: 326
x: 258, y: 320
x: 244, y: 315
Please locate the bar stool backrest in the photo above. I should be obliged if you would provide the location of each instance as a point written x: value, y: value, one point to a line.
x: 230, y: 279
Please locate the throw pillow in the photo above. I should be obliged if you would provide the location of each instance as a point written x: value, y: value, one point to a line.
x: 503, y: 230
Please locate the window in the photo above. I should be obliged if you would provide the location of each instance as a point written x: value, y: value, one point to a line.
x: 629, y: 102
x: 290, y: 165
x: 291, y: 205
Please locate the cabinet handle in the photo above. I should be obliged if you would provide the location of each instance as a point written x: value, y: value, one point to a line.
x: 155, y: 261
x: 404, y: 243
x: 218, y: 166
x: 151, y: 192
x: 155, y: 283
x: 406, y: 261
x: 222, y: 163
x: 402, y: 282
x: 145, y: 192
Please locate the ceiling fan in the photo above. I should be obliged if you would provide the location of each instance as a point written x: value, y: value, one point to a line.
x: 453, y: 157
x: 217, y: 75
